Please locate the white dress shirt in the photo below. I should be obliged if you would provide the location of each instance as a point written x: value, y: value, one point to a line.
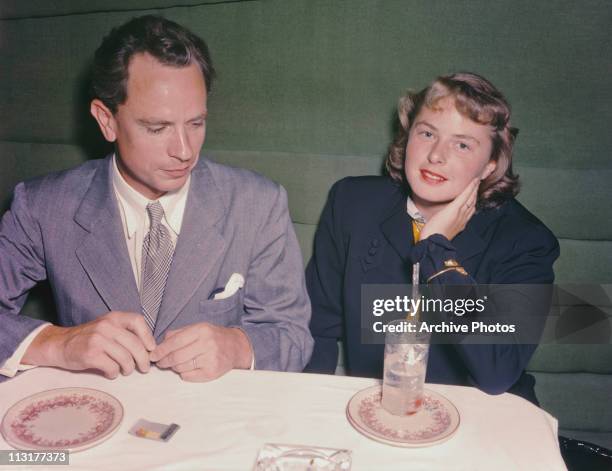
x: 413, y: 211
x: 135, y: 220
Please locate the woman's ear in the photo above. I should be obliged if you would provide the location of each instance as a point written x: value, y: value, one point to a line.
x: 488, y: 170
x: 105, y: 118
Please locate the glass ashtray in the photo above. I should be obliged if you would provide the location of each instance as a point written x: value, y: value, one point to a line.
x: 278, y: 457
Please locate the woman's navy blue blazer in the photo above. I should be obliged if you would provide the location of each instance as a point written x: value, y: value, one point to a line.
x: 365, y: 237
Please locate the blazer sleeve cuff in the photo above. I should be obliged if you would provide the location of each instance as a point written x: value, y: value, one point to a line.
x: 13, y: 364
x: 431, y: 253
x: 273, y: 350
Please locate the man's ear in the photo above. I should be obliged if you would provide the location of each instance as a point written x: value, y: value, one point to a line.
x: 105, y: 119
x: 488, y: 170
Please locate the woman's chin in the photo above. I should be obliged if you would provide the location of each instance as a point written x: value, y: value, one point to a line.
x: 431, y: 198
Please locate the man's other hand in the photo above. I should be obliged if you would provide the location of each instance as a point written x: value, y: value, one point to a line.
x: 114, y: 343
x: 201, y: 352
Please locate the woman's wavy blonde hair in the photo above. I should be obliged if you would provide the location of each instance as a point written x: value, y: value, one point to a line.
x: 477, y: 99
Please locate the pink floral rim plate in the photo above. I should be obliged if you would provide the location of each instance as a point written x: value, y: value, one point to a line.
x: 65, y: 419
x: 434, y: 423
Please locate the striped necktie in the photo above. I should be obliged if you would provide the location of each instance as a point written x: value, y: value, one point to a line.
x: 157, y: 251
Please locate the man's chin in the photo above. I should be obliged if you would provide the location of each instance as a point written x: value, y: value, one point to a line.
x: 172, y: 183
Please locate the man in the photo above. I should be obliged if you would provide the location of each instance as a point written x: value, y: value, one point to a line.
x: 153, y: 254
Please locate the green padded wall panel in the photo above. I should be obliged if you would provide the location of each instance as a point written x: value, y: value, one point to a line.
x: 579, y: 401
x: 306, y: 177
x: 20, y: 161
x: 584, y: 261
x: 305, y: 235
x: 574, y: 203
x: 323, y: 77
x: 569, y: 358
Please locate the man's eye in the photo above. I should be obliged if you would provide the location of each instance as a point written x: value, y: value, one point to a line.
x: 463, y: 146
x: 197, y: 124
x: 155, y: 130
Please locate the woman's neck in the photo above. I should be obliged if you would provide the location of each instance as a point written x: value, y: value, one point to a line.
x: 427, y: 208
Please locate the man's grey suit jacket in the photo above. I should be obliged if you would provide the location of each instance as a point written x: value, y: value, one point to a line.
x: 66, y: 227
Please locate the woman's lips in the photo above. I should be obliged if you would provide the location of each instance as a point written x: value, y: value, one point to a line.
x: 431, y: 177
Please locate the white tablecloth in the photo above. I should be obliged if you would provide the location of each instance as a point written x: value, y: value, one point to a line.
x: 225, y: 422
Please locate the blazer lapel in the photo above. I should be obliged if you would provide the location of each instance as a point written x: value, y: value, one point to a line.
x: 198, y: 247
x: 103, y: 253
x: 470, y: 242
x: 397, y: 229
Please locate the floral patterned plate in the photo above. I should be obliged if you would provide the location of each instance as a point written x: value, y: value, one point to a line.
x: 65, y: 419
x: 435, y: 422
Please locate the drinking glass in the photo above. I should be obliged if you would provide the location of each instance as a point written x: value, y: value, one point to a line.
x: 404, y: 370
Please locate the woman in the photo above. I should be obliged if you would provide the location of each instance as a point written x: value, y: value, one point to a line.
x: 447, y: 204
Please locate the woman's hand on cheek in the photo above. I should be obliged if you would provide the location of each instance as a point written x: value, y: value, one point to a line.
x: 452, y: 219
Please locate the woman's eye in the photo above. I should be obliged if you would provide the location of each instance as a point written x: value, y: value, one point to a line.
x: 427, y: 134
x: 463, y: 146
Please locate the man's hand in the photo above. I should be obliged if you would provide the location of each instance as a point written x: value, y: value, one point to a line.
x: 201, y: 352
x: 452, y: 219
x: 117, y: 342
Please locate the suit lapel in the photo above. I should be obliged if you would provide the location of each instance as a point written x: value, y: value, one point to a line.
x: 103, y: 253
x: 198, y: 247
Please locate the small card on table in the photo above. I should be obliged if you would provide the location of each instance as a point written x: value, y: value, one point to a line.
x: 153, y: 430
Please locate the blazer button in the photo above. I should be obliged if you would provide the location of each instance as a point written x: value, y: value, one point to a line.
x: 372, y: 251
x: 368, y: 260
x: 374, y: 242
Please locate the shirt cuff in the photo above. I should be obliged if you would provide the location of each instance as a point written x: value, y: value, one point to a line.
x: 13, y: 364
x: 252, y: 367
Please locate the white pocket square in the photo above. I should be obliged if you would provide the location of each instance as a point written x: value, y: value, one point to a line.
x: 235, y: 282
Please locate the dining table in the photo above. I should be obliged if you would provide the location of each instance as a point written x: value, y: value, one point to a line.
x: 224, y: 423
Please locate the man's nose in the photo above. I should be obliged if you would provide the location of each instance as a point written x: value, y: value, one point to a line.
x: 180, y: 147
